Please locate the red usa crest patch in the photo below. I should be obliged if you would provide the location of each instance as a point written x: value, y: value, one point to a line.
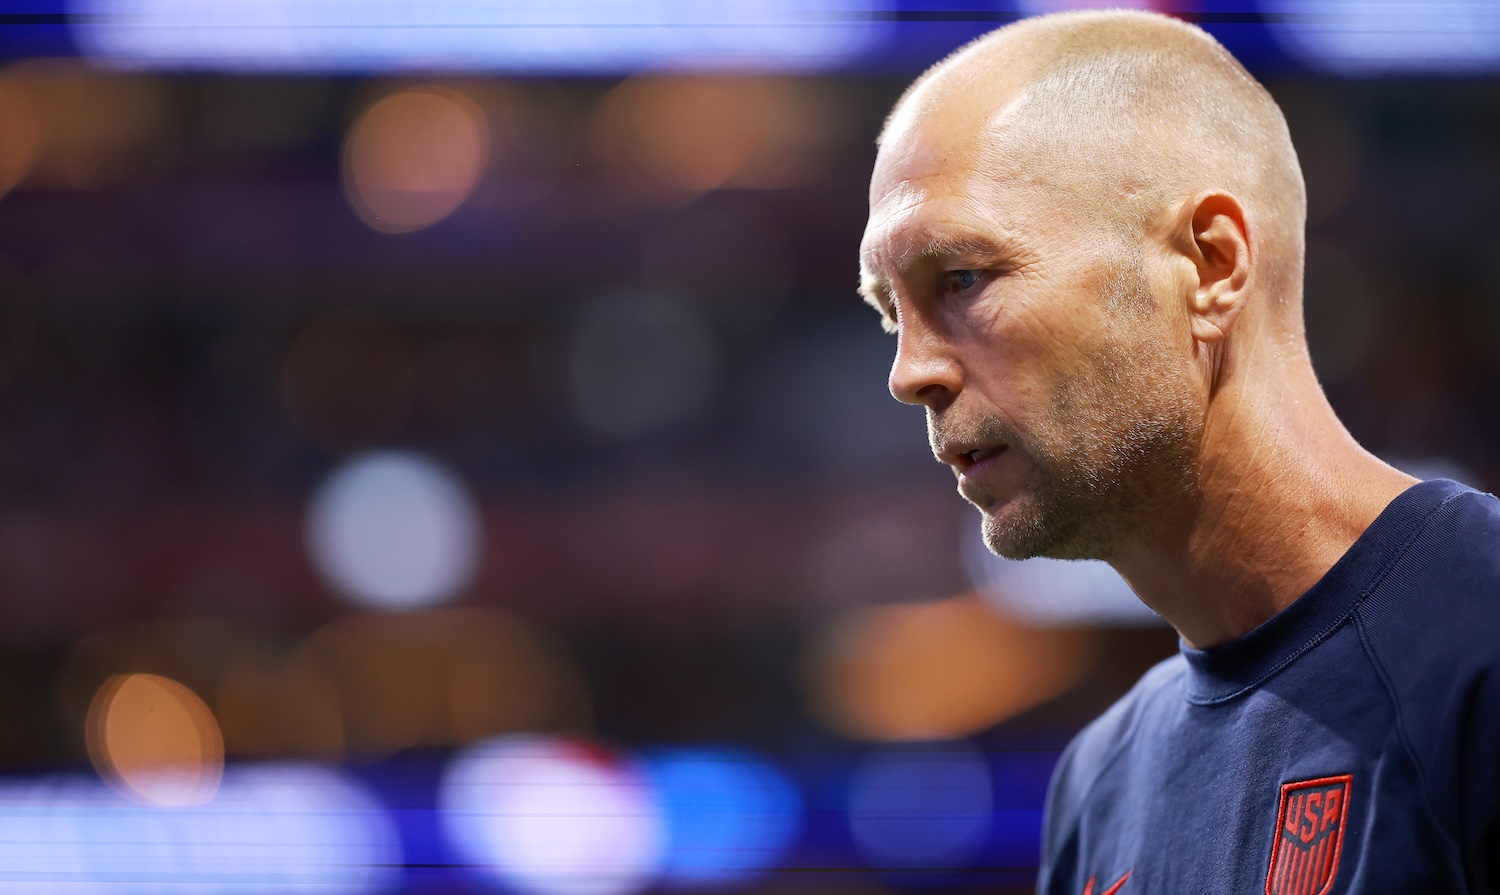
x: 1309, y: 836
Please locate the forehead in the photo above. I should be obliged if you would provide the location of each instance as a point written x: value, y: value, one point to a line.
x: 936, y: 178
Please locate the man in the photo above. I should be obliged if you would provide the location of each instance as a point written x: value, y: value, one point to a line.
x: 1086, y: 231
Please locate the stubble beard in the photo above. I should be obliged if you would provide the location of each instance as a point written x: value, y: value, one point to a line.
x: 1094, y: 497
x: 1115, y: 457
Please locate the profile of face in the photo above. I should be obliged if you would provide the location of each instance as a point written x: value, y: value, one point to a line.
x: 1056, y: 377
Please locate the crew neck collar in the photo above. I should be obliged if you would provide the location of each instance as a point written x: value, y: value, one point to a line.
x: 1221, y: 673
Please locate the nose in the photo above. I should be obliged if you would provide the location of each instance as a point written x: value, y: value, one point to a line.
x: 925, y: 370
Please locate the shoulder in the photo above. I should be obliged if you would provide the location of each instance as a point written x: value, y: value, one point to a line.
x: 1460, y: 517
x: 1100, y: 744
x: 1440, y: 602
x: 1430, y: 623
x: 1432, y: 629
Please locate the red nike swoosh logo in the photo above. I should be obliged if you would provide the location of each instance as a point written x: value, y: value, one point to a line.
x: 1089, y: 889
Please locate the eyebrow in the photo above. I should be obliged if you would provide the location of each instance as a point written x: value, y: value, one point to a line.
x: 876, y: 290
x: 939, y: 248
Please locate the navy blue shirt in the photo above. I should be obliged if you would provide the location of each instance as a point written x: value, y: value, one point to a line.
x: 1349, y: 744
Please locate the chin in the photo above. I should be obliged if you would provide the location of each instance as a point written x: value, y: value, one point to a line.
x: 1024, y: 529
x: 1014, y: 531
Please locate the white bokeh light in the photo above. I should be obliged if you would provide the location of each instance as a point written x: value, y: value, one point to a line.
x: 1362, y: 37
x: 394, y: 530
x: 271, y: 828
x: 599, y: 36
x: 547, y: 817
x: 1045, y: 7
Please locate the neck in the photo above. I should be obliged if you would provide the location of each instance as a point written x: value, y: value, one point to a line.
x: 1285, y: 491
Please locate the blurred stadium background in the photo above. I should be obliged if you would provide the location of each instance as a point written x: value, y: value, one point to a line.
x: 442, y: 451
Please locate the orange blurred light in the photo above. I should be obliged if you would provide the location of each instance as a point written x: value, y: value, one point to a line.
x: 20, y: 134
x: 65, y: 126
x: 153, y: 739
x: 444, y: 677
x: 932, y: 671
x: 271, y: 706
x: 413, y: 158
x: 695, y: 134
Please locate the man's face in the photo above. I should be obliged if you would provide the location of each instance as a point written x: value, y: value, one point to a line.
x: 1056, y: 385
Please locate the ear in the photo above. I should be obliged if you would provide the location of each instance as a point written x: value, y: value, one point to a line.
x: 1217, y: 241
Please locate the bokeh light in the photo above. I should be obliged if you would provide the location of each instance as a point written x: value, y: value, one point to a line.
x: 729, y: 815
x: 193, y: 653
x: 639, y: 362
x: 519, y: 35
x: 440, y: 678
x: 695, y: 134
x: 1046, y: 591
x: 1044, y: 7
x: 394, y: 530
x: 21, y: 133
x: 278, y: 705
x: 630, y: 357
x: 413, y: 158
x: 154, y: 739
x: 1369, y: 36
x: 272, y: 828
x: 923, y: 807
x: 938, y: 670
x: 66, y: 126
x: 548, y: 817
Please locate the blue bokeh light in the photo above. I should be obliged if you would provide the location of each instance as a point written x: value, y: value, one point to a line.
x: 729, y: 814
x: 927, y: 807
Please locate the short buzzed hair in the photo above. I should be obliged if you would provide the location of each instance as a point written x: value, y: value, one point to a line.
x: 1142, y: 108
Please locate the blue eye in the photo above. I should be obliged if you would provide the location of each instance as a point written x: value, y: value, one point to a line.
x: 963, y: 279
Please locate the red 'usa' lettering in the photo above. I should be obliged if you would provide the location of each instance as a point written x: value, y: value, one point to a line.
x: 1309, y: 836
x: 1311, y: 803
x: 1331, y: 807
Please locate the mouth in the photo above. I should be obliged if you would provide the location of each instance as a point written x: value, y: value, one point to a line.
x: 979, y: 455
x: 966, y: 460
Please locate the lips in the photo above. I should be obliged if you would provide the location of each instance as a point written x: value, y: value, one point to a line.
x: 976, y: 461
x: 979, y: 455
x: 966, y: 458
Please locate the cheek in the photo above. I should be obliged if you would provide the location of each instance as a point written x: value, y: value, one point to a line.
x: 1018, y: 365
x: 1050, y: 342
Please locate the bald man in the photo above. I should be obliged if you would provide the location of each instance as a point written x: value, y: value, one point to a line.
x: 1086, y: 232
